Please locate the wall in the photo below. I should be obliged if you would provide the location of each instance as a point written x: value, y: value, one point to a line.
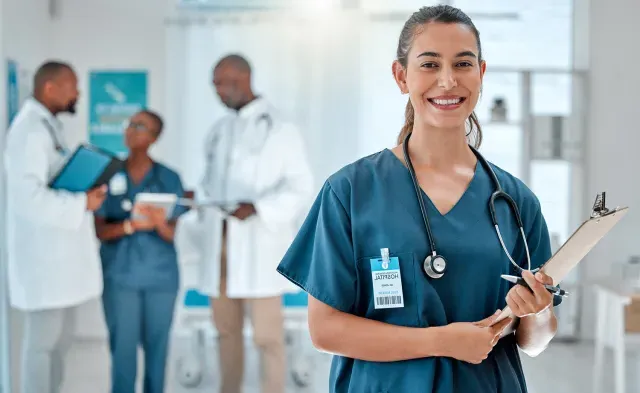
x: 27, y: 31
x: 115, y: 34
x: 613, y: 137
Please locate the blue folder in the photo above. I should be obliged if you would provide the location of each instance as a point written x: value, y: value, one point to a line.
x: 88, y: 167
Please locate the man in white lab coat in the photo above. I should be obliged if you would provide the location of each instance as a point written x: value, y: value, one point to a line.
x: 53, y: 259
x: 257, y: 167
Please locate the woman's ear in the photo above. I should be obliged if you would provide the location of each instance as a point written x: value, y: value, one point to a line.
x: 400, y: 75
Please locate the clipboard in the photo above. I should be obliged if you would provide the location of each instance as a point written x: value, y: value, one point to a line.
x: 86, y: 168
x: 567, y: 257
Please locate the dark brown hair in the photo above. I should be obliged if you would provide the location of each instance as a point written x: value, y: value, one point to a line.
x: 441, y: 14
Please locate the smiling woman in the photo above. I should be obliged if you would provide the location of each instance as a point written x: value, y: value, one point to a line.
x: 468, y: 67
x: 378, y: 295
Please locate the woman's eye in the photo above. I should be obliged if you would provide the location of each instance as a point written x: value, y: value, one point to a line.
x: 429, y: 65
x: 464, y: 64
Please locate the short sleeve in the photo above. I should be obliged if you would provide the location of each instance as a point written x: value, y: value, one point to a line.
x: 320, y: 260
x: 539, y: 243
x: 177, y: 189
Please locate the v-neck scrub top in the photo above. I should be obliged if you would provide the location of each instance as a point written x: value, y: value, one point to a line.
x: 371, y: 204
x: 142, y: 260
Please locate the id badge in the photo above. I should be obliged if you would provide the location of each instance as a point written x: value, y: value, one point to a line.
x: 118, y: 184
x: 387, y: 284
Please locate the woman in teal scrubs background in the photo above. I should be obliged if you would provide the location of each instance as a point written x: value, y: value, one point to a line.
x: 437, y: 336
x: 139, y: 261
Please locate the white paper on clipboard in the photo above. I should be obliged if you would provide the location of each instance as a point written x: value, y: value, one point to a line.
x: 574, y: 250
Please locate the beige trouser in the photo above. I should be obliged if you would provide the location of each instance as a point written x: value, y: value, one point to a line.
x: 268, y: 335
x: 47, y: 337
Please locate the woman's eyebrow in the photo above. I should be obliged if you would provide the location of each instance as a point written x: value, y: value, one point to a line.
x: 435, y: 54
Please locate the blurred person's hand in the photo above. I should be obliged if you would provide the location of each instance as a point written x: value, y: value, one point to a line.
x: 142, y: 225
x: 96, y: 197
x: 244, y: 211
x: 156, y: 216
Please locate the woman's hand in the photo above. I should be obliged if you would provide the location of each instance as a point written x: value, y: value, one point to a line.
x: 524, y: 302
x: 142, y: 225
x: 471, y: 342
x: 156, y: 216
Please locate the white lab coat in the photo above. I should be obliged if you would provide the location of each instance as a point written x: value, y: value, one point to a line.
x: 253, y: 156
x: 52, y: 249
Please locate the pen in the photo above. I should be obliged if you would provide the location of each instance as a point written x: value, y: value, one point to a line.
x: 519, y: 280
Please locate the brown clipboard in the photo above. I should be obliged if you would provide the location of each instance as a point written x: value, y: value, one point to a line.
x: 567, y: 257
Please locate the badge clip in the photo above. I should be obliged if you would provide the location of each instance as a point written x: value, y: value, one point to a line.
x: 384, y: 252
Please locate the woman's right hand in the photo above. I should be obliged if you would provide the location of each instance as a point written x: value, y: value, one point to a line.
x: 472, y: 342
x: 142, y: 225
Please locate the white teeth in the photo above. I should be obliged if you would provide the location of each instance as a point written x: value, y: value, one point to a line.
x: 448, y: 102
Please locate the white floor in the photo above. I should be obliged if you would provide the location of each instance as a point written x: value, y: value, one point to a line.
x: 563, y: 368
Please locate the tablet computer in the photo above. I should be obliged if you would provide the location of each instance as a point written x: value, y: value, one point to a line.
x: 165, y: 201
x: 86, y: 168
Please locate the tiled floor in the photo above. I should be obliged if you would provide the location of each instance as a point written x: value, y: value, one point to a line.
x: 563, y: 368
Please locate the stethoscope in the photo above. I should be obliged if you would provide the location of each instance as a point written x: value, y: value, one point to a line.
x: 213, y: 146
x: 435, y: 264
x: 56, y: 143
x: 264, y: 117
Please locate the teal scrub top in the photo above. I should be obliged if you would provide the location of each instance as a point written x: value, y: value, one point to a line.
x: 143, y: 260
x: 371, y: 204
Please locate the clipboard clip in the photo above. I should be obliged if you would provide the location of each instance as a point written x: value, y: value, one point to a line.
x: 599, y: 206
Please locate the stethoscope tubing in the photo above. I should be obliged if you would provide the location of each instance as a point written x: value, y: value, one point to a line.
x: 56, y: 143
x: 498, y: 193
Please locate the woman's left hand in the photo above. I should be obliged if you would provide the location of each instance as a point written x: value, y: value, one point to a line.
x: 523, y: 302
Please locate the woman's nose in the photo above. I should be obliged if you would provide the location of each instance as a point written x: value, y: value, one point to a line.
x: 446, y: 79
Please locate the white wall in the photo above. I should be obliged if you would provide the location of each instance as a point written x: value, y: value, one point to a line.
x: 613, y: 134
x: 114, y: 34
x: 26, y: 28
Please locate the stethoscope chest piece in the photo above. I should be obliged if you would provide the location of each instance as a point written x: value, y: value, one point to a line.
x: 434, y: 266
x: 127, y: 205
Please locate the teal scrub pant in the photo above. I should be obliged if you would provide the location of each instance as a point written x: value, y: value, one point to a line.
x: 138, y: 317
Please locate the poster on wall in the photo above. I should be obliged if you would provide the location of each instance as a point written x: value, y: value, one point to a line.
x: 13, y: 91
x: 114, y: 96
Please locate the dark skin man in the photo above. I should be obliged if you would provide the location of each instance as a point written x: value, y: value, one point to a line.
x: 232, y: 81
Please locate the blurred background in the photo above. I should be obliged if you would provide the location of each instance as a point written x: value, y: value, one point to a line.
x: 558, y: 109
